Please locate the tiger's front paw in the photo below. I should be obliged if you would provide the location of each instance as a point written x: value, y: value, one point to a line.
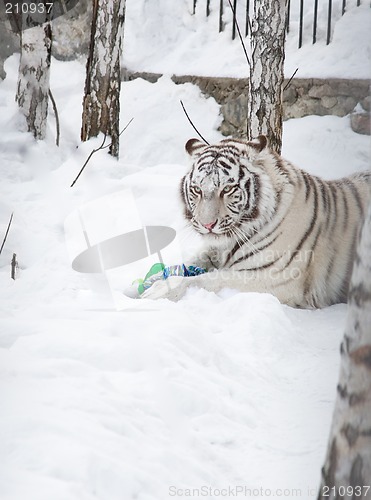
x: 172, y: 288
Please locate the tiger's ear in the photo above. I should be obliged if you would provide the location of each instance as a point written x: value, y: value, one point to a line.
x: 260, y: 143
x: 194, y: 147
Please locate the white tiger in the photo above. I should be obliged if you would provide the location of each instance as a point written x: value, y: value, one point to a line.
x: 269, y: 226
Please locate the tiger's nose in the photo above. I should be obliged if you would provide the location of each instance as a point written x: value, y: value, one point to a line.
x: 210, y: 225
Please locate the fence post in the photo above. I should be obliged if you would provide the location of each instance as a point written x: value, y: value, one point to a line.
x: 288, y: 16
x: 315, y: 21
x: 234, y: 19
x: 301, y: 23
x: 329, y: 14
x: 221, y: 11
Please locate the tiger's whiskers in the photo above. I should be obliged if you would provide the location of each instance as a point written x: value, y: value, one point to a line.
x: 242, y: 238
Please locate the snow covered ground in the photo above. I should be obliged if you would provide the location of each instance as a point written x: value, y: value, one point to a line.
x: 149, y: 402
x: 178, y: 42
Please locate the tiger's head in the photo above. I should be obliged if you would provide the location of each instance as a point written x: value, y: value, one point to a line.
x: 224, y: 188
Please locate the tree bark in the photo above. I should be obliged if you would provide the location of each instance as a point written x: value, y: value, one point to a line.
x: 33, y: 77
x: 101, y: 103
x: 266, y: 71
x: 348, y: 460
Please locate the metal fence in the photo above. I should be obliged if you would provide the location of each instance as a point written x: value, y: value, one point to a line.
x: 242, y: 21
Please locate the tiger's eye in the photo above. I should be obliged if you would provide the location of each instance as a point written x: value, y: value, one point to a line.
x: 196, y: 189
x: 228, y: 189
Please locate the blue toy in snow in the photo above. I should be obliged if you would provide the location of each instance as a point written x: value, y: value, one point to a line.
x: 161, y: 272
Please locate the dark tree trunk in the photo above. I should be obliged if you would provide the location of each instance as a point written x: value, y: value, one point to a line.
x: 348, y: 460
x: 266, y: 71
x: 101, y: 104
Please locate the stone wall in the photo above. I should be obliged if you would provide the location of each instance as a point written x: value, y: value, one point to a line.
x: 302, y: 97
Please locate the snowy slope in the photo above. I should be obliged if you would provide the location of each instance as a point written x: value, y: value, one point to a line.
x: 216, y: 391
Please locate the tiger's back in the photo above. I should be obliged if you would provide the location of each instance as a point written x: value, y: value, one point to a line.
x: 269, y: 226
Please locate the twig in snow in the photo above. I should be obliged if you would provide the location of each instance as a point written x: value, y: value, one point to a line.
x: 6, y: 233
x: 88, y: 158
x: 102, y: 146
x: 122, y: 131
x: 191, y: 122
x: 56, y: 116
x: 14, y: 266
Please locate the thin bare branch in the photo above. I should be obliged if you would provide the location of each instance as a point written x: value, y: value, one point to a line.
x: 102, y: 146
x: 56, y: 116
x: 239, y: 32
x: 191, y: 122
x: 122, y: 131
x: 88, y: 158
x: 6, y: 233
x: 290, y: 80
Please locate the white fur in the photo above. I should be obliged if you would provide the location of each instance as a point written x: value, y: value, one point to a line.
x: 302, y: 238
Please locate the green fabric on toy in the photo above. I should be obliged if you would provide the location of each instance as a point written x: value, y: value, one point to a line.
x: 161, y: 272
x: 155, y: 270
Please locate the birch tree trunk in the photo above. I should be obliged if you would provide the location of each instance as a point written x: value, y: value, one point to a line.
x: 348, y: 460
x: 101, y: 103
x: 266, y: 71
x: 33, y: 77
